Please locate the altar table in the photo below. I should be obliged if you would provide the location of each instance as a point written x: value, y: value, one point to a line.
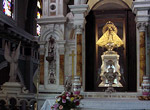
x: 105, y: 104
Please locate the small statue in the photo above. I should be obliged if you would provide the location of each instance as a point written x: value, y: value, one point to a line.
x: 68, y: 84
x: 110, y: 39
x: 13, y: 60
x: 51, y: 50
x: 51, y: 45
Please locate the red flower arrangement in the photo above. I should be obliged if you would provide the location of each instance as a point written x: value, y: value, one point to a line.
x: 66, y: 101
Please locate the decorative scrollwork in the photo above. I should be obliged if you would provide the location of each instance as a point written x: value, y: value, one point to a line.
x: 142, y: 26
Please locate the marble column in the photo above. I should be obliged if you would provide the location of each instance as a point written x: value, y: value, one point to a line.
x: 61, y: 70
x: 72, y: 55
x: 142, y: 29
x: 41, y: 51
x: 79, y: 12
x: 141, y: 19
x: 79, y: 55
x: 61, y: 62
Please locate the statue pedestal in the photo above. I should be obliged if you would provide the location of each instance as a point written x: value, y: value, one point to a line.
x: 13, y: 87
x: 17, y: 92
x: 110, y: 61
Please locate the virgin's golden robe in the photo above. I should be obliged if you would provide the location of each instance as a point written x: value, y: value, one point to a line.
x: 110, y: 37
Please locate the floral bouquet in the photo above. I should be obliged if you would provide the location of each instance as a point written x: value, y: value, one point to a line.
x: 67, y: 101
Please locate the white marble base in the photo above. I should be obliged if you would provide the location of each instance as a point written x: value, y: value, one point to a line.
x: 52, y: 88
x: 113, y: 104
x: 92, y: 95
x: 105, y: 104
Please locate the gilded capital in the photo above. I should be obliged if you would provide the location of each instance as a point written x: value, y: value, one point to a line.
x: 142, y: 26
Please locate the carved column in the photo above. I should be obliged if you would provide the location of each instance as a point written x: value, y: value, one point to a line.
x: 79, y: 12
x: 142, y: 29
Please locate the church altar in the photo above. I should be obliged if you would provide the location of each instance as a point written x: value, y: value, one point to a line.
x: 68, y: 49
x: 105, y: 104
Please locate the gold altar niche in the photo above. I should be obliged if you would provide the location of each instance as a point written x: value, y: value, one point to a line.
x: 110, y: 68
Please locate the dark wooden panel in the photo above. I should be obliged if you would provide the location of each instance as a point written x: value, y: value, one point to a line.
x: 90, y: 52
x: 131, y: 52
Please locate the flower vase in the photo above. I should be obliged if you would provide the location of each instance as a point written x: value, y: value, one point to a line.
x: 146, y: 86
x: 76, y: 85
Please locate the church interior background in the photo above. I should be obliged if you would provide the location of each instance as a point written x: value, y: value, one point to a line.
x: 56, y: 39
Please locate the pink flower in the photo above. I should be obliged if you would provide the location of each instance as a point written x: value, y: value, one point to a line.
x: 60, y: 107
x: 55, y: 105
x: 63, y: 100
x: 76, y: 92
x: 68, y: 94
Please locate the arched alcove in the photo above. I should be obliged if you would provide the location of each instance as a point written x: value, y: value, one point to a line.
x: 119, y: 12
x: 92, y: 3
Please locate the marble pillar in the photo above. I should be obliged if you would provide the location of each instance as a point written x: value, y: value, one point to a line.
x: 142, y: 48
x: 41, y: 52
x: 141, y: 19
x: 79, y: 55
x: 79, y: 12
x: 41, y: 69
x: 72, y: 55
x: 142, y: 56
x: 61, y: 68
x: 79, y: 35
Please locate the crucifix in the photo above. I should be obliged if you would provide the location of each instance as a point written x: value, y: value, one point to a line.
x: 72, y: 55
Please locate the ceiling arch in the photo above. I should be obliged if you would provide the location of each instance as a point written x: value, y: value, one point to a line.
x: 93, y: 4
